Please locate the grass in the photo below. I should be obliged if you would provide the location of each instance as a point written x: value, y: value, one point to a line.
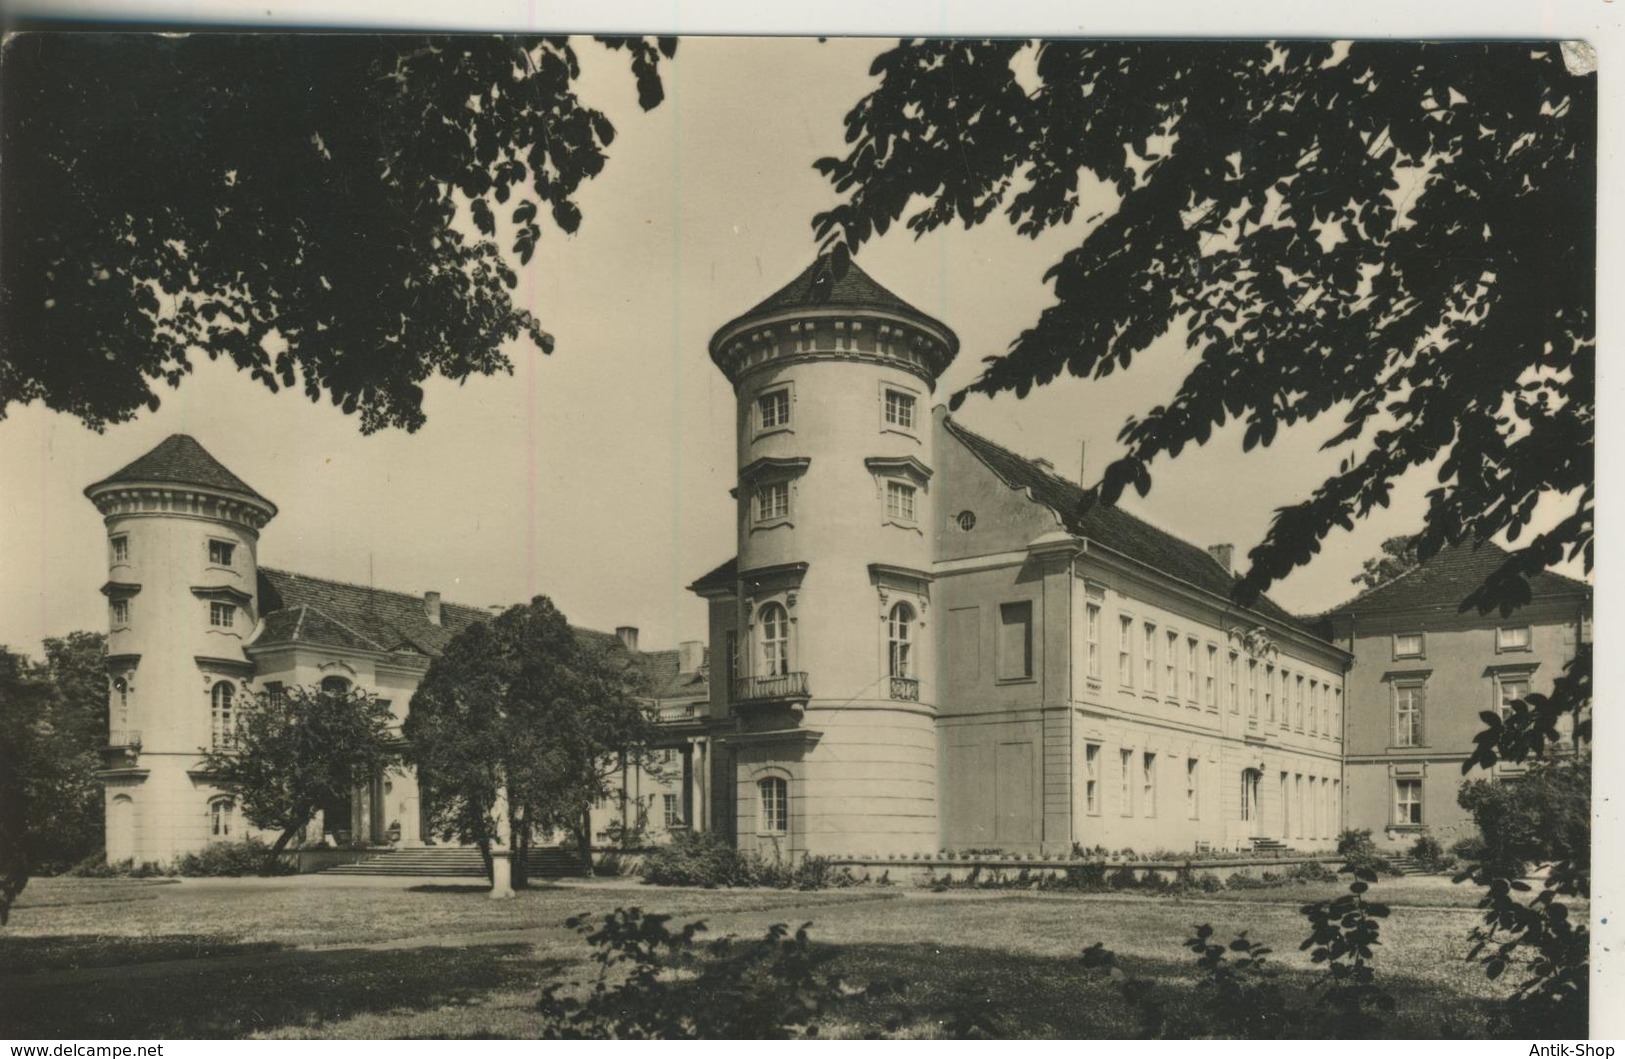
x: 284, y: 959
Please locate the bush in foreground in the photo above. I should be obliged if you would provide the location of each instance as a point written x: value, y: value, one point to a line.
x: 248, y: 857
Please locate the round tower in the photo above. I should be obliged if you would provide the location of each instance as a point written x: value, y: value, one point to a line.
x: 834, y: 675
x: 182, y: 532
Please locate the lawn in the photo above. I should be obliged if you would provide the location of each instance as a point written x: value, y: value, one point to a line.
x: 289, y: 958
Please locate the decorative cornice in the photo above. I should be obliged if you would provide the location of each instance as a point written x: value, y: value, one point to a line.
x: 181, y: 501
x: 122, y: 661
x: 904, y: 465
x: 1255, y: 641
x: 778, y: 575
x: 231, y: 592
x: 768, y: 466
x: 773, y: 735
x: 241, y: 665
x: 880, y: 571
x: 120, y: 589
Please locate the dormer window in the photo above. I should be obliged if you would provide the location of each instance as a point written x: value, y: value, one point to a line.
x: 1512, y: 638
x: 121, y: 548
x: 221, y: 615
x: 1407, y: 645
x: 221, y: 552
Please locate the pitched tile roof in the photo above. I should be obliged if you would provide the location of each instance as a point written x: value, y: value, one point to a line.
x: 664, y: 681
x: 179, y: 459
x: 339, y: 614
x: 1112, y: 527
x: 1450, y: 577
x: 818, y: 287
x: 721, y: 577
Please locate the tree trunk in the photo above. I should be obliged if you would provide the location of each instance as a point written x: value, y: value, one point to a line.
x: 586, y: 841
x: 278, y: 846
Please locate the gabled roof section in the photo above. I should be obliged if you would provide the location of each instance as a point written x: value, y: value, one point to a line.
x: 1450, y: 577
x: 181, y: 460
x: 662, y: 680
x: 339, y: 614
x: 722, y: 577
x: 1112, y: 527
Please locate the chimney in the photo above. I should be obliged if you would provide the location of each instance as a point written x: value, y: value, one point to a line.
x: 431, y: 607
x: 690, y: 656
x: 628, y: 635
x: 1083, y: 464
x: 1222, y: 554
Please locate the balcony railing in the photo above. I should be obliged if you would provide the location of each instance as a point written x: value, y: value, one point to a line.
x: 785, y: 687
x: 123, y: 737
x: 122, y: 750
x: 905, y: 689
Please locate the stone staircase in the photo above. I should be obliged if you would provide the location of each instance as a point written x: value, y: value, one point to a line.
x: 459, y: 862
x: 1270, y: 845
x: 1404, y: 865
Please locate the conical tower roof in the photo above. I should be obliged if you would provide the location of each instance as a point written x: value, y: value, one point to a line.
x: 823, y: 287
x: 181, y: 460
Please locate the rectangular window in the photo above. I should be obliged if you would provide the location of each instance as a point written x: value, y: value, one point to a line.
x: 900, y: 501
x: 1299, y: 805
x: 1408, y: 715
x: 1015, y: 641
x: 121, y: 548
x: 275, y: 693
x: 1149, y: 658
x: 773, y: 410
x: 1315, y: 709
x: 843, y: 340
x: 1297, y: 700
x: 1407, y: 645
x: 1092, y: 632
x: 121, y: 612
x: 1148, y: 778
x: 1231, y: 688
x: 1512, y: 638
x: 220, y: 553
x: 1252, y: 688
x: 1314, y: 693
x: 1407, y: 801
x: 775, y: 797
x: 1091, y: 778
x: 1191, y: 651
x: 221, y: 615
x: 1192, y: 775
x: 1336, y: 731
x: 673, y: 810
x: 802, y: 337
x: 1170, y: 666
x: 772, y: 501
x: 1125, y: 651
x: 1269, y: 693
x: 1512, y: 690
x: 899, y: 410
x: 1126, y: 760
x: 1210, y: 678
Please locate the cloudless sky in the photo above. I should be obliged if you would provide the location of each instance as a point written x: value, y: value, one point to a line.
x: 599, y: 475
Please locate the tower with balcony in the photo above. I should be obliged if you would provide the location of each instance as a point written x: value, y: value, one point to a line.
x: 182, y: 533
x: 822, y: 622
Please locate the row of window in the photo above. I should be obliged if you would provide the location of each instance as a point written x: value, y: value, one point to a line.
x: 1410, y: 705
x: 221, y: 553
x: 1141, y: 773
x: 1508, y: 638
x: 221, y: 615
x: 899, y: 409
x: 773, y: 641
x: 772, y: 501
x: 1177, y: 667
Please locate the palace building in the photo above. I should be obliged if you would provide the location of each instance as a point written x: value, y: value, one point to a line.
x: 923, y: 641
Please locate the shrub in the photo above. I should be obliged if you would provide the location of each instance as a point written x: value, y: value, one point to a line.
x: 1469, y: 848
x: 248, y: 857
x: 1123, y: 879
x: 696, y: 859
x: 1153, y: 881
x: 1242, y: 881
x: 1360, y: 853
x: 1209, y: 883
x: 1086, y: 877
x: 1310, y: 871
x: 96, y: 867
x: 1544, y: 817
x: 1429, y: 855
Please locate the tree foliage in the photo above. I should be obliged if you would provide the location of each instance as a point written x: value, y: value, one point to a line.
x: 287, y: 202
x: 53, y: 723
x: 300, y: 749
x: 522, y: 707
x: 1398, y: 557
x: 1398, y: 236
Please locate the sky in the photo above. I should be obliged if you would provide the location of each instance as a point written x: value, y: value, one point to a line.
x: 599, y: 475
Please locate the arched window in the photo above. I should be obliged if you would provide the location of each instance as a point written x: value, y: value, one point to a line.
x: 773, y: 624
x: 120, y: 828
x: 900, y: 639
x: 222, y: 818
x: 336, y: 685
x: 120, y: 727
x: 774, y: 793
x: 223, y: 714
